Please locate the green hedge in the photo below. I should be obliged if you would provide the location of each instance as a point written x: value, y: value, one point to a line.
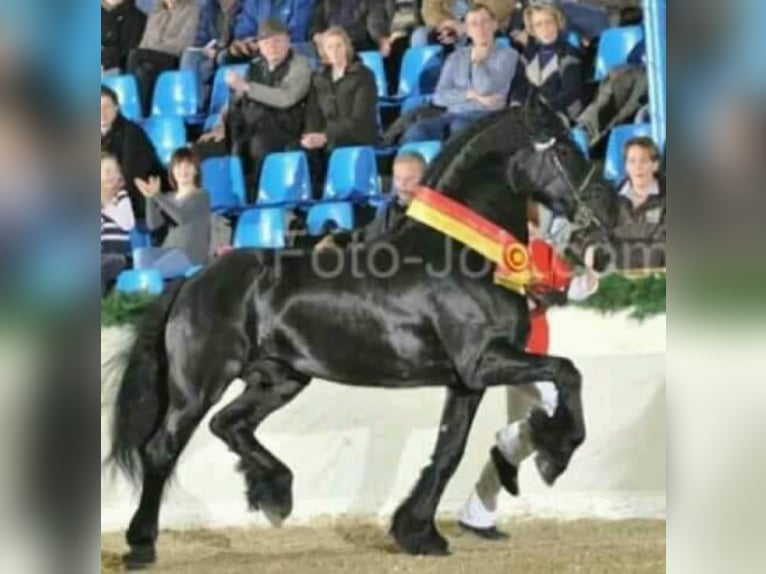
x: 644, y: 296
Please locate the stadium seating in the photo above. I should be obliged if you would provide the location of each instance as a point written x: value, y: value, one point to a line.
x: 262, y: 228
x: 175, y: 94
x: 419, y: 75
x: 374, y: 61
x: 224, y: 180
x: 428, y: 149
x: 339, y: 213
x: 140, y: 281
x: 126, y: 88
x: 193, y: 270
x: 146, y: 6
x: 219, y: 95
x: 284, y: 180
x: 580, y: 138
x: 352, y: 174
x: 167, y: 133
x: 614, y: 165
x: 614, y: 47
x: 413, y: 102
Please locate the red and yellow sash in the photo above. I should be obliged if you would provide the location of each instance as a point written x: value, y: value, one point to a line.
x: 459, y: 222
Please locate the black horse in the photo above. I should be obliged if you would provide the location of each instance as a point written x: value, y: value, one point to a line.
x: 412, y: 309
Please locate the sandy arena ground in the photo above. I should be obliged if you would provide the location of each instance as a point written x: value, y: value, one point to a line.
x: 358, y: 547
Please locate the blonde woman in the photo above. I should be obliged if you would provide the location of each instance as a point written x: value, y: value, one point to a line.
x: 549, y: 64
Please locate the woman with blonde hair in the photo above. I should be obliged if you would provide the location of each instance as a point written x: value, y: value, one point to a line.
x: 342, y: 106
x: 549, y: 64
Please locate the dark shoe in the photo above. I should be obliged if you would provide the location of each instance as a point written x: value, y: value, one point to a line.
x: 506, y: 472
x: 491, y: 533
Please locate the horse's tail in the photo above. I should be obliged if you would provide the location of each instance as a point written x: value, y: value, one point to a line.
x: 141, y: 400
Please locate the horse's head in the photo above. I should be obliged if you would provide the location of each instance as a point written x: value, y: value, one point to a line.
x: 554, y: 172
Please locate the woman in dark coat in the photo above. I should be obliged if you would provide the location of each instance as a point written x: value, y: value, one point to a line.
x: 342, y: 108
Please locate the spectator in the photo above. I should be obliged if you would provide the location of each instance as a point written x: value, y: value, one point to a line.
x: 342, y: 106
x: 476, y: 79
x: 122, y: 26
x: 443, y: 19
x: 170, y: 29
x: 549, y: 64
x: 267, y: 108
x: 365, y: 21
x: 641, y: 207
x: 404, y: 18
x: 214, y: 31
x: 117, y: 221
x: 185, y: 213
x: 128, y: 142
x: 408, y: 171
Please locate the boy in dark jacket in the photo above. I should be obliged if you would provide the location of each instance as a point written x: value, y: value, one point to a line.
x: 122, y: 26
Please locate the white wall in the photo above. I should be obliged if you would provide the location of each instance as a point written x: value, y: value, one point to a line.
x: 359, y: 451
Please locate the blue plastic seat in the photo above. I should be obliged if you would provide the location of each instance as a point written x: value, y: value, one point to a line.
x: 284, y: 179
x: 580, y: 138
x: 139, y: 238
x: 421, y: 66
x: 219, y: 95
x: 339, y: 213
x: 263, y: 228
x: 374, y: 61
x: 193, y: 270
x: 352, y: 173
x: 146, y: 6
x: 223, y: 179
x: 126, y: 88
x: 428, y: 149
x: 614, y: 164
x: 167, y: 134
x: 614, y: 47
x: 133, y: 281
x: 176, y: 94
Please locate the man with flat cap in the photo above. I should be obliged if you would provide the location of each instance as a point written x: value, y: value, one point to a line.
x: 266, y: 108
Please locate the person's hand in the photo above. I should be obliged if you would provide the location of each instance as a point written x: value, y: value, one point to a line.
x: 384, y: 46
x: 217, y: 134
x: 313, y: 140
x: 480, y: 53
x: 591, y: 275
x: 520, y: 37
x: 472, y: 95
x: 236, y: 82
x: 148, y: 188
x: 490, y: 100
x: 327, y: 242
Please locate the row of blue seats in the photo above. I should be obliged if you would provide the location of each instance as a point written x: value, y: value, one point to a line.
x: 176, y: 94
x: 351, y: 172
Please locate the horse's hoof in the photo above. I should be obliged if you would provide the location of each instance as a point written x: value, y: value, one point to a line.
x: 273, y: 496
x: 549, y: 471
x: 139, y: 557
x: 418, y: 538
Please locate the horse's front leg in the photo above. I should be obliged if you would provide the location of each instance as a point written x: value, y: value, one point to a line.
x: 556, y: 437
x: 413, y: 525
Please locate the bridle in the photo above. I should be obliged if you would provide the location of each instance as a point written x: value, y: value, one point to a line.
x: 584, y: 216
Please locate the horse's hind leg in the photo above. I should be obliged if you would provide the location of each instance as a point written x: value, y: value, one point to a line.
x: 413, y: 525
x: 270, y: 385
x: 197, y: 379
